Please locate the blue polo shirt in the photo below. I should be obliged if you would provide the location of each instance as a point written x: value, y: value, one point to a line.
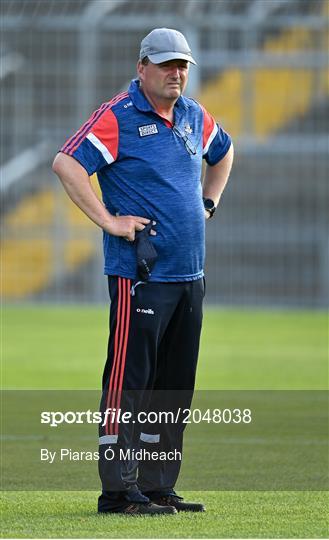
x: 148, y: 167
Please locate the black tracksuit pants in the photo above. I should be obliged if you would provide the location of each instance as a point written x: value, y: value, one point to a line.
x: 151, y: 365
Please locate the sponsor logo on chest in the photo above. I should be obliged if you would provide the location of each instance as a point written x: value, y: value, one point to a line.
x: 150, y: 129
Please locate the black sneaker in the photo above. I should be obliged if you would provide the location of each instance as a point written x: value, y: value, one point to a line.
x: 177, y: 502
x: 136, y: 509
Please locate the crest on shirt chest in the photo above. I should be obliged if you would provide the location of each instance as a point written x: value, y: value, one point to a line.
x: 150, y: 129
x: 187, y: 128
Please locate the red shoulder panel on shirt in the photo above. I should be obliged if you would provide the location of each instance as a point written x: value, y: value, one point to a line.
x: 74, y: 142
x: 208, y: 126
x: 106, y: 130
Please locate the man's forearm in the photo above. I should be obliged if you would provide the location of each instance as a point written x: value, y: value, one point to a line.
x: 216, y: 177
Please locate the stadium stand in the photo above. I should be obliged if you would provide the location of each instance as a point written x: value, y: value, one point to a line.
x: 262, y: 224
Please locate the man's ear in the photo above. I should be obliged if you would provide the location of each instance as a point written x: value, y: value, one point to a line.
x: 140, y: 70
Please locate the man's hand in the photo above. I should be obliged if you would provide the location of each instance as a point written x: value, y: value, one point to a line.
x: 126, y: 226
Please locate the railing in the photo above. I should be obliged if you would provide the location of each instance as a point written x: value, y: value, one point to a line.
x: 268, y: 242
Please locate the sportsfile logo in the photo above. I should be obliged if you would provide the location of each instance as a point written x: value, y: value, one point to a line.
x: 150, y: 129
x: 147, y: 311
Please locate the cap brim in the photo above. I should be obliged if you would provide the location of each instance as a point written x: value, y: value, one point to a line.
x: 158, y: 58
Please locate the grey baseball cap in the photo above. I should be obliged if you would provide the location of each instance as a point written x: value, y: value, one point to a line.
x: 163, y: 44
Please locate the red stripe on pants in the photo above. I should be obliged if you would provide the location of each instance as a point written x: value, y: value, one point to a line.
x: 120, y: 350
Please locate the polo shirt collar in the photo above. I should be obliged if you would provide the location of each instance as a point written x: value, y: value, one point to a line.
x: 142, y: 104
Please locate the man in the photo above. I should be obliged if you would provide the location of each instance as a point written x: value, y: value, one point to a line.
x: 146, y: 146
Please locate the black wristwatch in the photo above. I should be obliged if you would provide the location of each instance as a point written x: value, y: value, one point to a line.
x: 209, y: 205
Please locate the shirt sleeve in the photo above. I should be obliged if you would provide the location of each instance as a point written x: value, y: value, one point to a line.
x: 95, y: 144
x: 216, y: 142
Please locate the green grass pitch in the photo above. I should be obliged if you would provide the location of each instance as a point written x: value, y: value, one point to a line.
x: 65, y: 347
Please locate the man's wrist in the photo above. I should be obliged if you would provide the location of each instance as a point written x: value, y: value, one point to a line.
x: 108, y: 224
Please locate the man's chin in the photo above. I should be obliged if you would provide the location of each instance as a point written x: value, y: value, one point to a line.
x: 173, y: 93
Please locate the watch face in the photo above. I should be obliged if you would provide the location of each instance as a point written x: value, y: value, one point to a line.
x: 208, y: 204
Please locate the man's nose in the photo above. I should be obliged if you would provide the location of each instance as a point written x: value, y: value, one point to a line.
x: 175, y: 72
